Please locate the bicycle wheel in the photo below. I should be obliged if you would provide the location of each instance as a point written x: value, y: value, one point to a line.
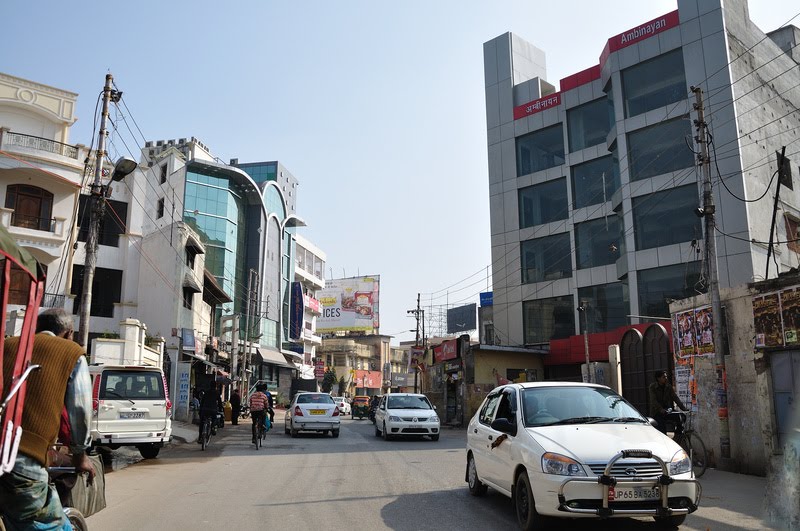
x: 697, y: 449
x: 206, y: 437
x: 259, y: 437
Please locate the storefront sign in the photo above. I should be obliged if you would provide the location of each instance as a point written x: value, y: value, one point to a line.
x: 368, y: 379
x: 452, y: 366
x: 487, y: 298
x: 311, y: 303
x: 532, y: 107
x: 319, y: 368
x: 402, y: 379
x: 446, y: 351
x: 182, y: 392
x: 639, y: 33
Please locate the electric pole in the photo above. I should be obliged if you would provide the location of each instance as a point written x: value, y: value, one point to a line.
x: 583, y: 310
x: 711, y: 261
x: 416, y: 313
x: 97, y: 207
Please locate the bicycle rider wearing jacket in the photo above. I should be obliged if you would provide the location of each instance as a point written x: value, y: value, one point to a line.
x: 258, y: 408
x: 210, y: 404
x: 662, y: 396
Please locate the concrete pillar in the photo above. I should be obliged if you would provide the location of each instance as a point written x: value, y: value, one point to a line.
x: 14, y: 322
x: 129, y: 332
x: 615, y: 368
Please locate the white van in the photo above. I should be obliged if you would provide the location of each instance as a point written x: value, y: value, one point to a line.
x: 131, y: 407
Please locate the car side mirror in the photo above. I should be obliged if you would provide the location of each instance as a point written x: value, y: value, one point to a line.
x: 653, y: 422
x: 505, y: 426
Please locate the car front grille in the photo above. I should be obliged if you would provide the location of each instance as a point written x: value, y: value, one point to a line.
x: 411, y: 419
x: 414, y: 430
x: 622, y: 469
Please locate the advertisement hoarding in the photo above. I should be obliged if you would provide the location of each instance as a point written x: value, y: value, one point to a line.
x: 448, y: 350
x: 462, y: 318
x: 349, y: 305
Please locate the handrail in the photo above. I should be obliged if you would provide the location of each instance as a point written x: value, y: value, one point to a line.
x: 41, y: 143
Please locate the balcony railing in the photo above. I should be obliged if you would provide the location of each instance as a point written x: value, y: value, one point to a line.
x: 33, y: 222
x: 52, y: 300
x: 42, y: 144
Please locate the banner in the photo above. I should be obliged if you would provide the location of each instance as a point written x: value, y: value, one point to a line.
x: 448, y: 350
x: 368, y: 379
x: 350, y: 305
x: 296, y: 312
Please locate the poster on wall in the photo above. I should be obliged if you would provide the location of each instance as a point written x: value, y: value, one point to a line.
x: 790, y: 311
x: 685, y: 383
x: 684, y: 333
x: 704, y: 330
x: 350, y: 305
x: 767, y: 320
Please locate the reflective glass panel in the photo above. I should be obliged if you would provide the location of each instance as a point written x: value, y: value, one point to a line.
x: 606, y: 306
x: 540, y: 150
x: 660, y: 148
x: 546, y: 258
x: 543, y: 203
x: 654, y: 83
x: 669, y: 282
x: 588, y: 180
x: 597, y: 242
x: 588, y: 125
x: 666, y: 217
x: 546, y: 319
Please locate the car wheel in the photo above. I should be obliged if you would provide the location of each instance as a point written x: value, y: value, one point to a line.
x: 669, y: 522
x: 527, y: 517
x: 476, y: 486
x: 386, y: 436
x: 335, y: 433
x: 149, y: 451
x: 435, y: 437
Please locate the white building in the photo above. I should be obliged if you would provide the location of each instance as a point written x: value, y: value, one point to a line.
x: 309, y: 273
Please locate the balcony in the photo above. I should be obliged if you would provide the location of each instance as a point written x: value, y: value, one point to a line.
x: 40, y: 144
x: 45, y: 234
x: 33, y: 222
x: 52, y: 300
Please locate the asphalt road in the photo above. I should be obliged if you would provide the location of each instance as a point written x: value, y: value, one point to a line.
x: 357, y: 481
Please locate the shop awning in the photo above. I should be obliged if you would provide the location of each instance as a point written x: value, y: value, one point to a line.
x: 274, y: 357
x: 191, y: 283
x: 211, y: 364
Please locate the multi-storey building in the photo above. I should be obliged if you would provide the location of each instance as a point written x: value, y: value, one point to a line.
x: 309, y: 278
x: 594, y: 186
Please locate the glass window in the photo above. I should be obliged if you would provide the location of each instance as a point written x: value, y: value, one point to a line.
x: 660, y: 148
x: 595, y: 181
x: 546, y: 319
x: 654, y: 83
x: 588, y: 125
x: 667, y: 217
x: 106, y: 290
x: 543, y: 203
x: 546, y: 258
x: 488, y: 409
x: 606, y: 306
x: 136, y: 385
x: 540, y: 150
x: 670, y: 282
x: 547, y: 405
x: 597, y: 242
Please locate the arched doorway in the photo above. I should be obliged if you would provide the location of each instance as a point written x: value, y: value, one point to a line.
x: 634, y: 382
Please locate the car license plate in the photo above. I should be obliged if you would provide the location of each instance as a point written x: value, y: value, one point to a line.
x: 317, y: 411
x: 132, y: 415
x: 633, y: 494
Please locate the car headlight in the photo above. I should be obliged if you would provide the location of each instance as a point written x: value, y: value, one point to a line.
x: 561, y: 465
x: 433, y: 419
x: 392, y: 418
x: 680, y: 463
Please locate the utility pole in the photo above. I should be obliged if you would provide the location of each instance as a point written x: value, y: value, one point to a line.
x: 711, y: 261
x: 97, y: 207
x: 247, y: 332
x: 583, y: 310
x: 416, y: 313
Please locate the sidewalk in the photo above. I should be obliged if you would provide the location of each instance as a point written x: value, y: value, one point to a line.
x: 730, y: 501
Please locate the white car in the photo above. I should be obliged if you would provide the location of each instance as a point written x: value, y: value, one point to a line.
x: 312, y: 412
x: 564, y: 449
x: 342, y: 404
x: 406, y: 414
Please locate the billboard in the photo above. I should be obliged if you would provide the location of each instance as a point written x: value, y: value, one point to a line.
x: 349, y: 305
x: 462, y: 318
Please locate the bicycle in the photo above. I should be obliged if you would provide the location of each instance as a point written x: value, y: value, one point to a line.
x: 205, y: 434
x: 688, y: 439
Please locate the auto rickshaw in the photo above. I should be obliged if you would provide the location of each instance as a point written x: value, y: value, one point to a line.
x: 360, y: 407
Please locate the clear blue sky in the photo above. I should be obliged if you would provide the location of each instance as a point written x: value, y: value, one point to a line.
x: 376, y: 107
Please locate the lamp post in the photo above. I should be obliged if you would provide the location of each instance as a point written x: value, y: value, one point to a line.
x: 97, y: 207
x: 583, y: 310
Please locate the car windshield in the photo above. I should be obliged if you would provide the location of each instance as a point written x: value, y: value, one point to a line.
x: 312, y: 398
x: 132, y: 385
x: 550, y: 406
x: 408, y: 402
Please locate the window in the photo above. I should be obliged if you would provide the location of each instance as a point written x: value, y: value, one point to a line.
x: 33, y: 207
x: 136, y: 385
x: 188, y: 298
x: 507, y: 409
x: 163, y: 177
x: 488, y: 409
x: 606, y: 306
x: 19, y: 284
x: 546, y: 258
x: 670, y: 282
x: 597, y: 242
x: 191, y: 252
x: 488, y: 334
x: 546, y: 319
x: 654, y: 83
x: 540, y: 150
x: 660, y: 149
x: 594, y: 182
x: 160, y: 208
x: 664, y: 218
x: 543, y: 203
x: 111, y: 225
x: 792, y: 234
x: 588, y: 125
x: 106, y: 290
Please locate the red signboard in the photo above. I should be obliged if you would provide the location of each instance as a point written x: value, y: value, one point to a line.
x: 639, y: 33
x: 547, y: 102
x: 369, y: 379
x: 319, y: 369
x: 448, y: 350
x: 311, y: 303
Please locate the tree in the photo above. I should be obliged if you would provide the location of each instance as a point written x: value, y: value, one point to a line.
x: 329, y: 380
x: 342, y: 386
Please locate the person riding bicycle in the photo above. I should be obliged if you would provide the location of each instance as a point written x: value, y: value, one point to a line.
x: 27, y: 499
x: 258, y: 408
x: 210, y: 404
x: 662, y: 396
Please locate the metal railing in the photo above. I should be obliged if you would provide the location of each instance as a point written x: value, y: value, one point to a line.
x: 42, y: 144
x: 33, y: 222
x: 52, y: 300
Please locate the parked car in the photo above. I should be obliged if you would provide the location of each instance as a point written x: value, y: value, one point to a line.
x: 406, y: 414
x: 564, y: 449
x: 342, y: 404
x: 312, y: 412
x: 131, y: 407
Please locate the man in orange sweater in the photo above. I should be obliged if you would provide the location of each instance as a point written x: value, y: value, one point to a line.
x: 27, y: 501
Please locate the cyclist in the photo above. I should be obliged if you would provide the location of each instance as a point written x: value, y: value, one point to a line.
x: 258, y: 408
x: 210, y: 403
x: 662, y: 396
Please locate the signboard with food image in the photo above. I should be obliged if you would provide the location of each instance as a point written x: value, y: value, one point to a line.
x: 349, y: 305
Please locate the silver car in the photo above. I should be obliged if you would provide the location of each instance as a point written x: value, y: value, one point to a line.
x: 312, y: 412
x: 406, y: 414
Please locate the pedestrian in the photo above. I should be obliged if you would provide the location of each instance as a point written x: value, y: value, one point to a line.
x: 236, y: 407
x: 27, y: 500
x: 662, y: 396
